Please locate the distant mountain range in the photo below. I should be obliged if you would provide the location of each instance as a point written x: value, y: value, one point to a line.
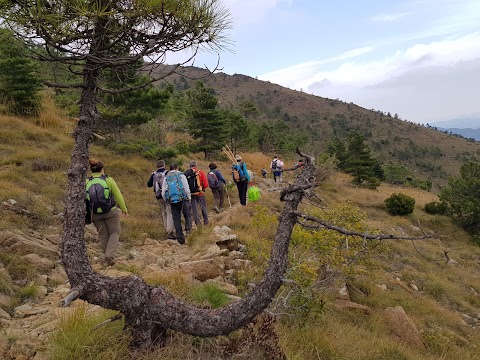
x: 468, y: 127
x: 472, y: 122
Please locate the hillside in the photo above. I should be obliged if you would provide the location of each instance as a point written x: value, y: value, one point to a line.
x: 430, y: 154
x: 343, y: 299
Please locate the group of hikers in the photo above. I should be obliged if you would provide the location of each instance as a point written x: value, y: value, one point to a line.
x: 177, y: 193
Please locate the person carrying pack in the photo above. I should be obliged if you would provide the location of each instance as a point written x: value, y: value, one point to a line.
x: 176, y: 192
x: 276, y: 167
x: 241, y: 177
x: 198, y: 182
x: 156, y: 181
x: 104, y: 199
x: 217, y: 183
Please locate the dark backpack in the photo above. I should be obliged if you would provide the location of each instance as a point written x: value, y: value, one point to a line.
x: 194, y: 183
x: 274, y: 165
x: 98, y: 195
x: 213, y: 180
x: 157, y: 183
x: 237, y: 172
x: 174, y: 192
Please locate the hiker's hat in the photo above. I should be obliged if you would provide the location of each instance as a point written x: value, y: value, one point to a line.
x: 238, y: 158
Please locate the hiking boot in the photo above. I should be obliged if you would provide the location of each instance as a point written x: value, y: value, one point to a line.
x: 109, y: 261
x: 171, y: 236
x: 181, y: 241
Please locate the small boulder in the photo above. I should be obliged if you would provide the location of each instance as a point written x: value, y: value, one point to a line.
x: 402, y: 327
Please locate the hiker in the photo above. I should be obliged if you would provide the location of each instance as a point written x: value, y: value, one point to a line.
x: 156, y: 181
x: 105, y: 202
x: 176, y: 192
x: 197, y: 181
x: 299, y: 164
x: 264, y: 173
x: 276, y: 167
x: 241, y: 178
x: 217, y: 183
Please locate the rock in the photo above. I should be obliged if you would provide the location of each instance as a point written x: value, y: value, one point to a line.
x: 351, y: 306
x: 57, y: 276
x: 402, y: 327
x: 22, y: 244
x: 234, y: 298
x: 413, y: 285
x: 241, y: 264
x: 40, y: 356
x: 343, y: 292
x: 28, y: 310
x: 230, y: 243
x: 204, y: 269
x: 149, y: 241
x: 4, y: 315
x: 213, y: 251
x: 22, y: 347
x: 5, y: 301
x: 469, y: 320
x: 228, y: 288
x: 382, y: 286
x: 222, y: 231
x: 41, y: 279
x: 40, y: 263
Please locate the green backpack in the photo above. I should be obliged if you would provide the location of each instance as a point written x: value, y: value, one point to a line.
x: 98, y: 195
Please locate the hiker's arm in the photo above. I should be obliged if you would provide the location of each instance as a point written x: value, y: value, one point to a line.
x: 117, y: 194
x: 183, y: 178
x: 150, y: 181
x: 220, y: 177
x: 204, y: 180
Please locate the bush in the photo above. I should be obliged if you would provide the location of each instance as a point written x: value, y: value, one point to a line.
x: 400, y: 204
x: 436, y: 208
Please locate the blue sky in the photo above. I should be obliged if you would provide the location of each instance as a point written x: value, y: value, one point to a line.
x: 417, y: 58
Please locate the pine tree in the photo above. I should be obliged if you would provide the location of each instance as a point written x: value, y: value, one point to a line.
x: 359, y: 161
x: 20, y: 82
x: 206, y: 123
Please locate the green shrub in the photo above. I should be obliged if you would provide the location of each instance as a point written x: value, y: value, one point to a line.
x: 400, y: 204
x: 436, y: 208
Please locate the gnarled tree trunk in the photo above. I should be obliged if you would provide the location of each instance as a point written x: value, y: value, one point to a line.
x: 149, y: 310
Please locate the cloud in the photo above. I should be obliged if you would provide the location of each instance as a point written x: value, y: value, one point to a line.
x: 247, y: 12
x: 389, y: 17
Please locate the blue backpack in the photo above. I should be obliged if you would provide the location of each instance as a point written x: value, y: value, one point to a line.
x: 237, y: 172
x: 174, y: 192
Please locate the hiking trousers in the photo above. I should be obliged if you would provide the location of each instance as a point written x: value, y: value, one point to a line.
x: 108, y: 227
x: 163, y: 212
x: 199, y: 201
x: 169, y: 226
x: 242, y: 187
x: 177, y: 220
x: 219, y: 195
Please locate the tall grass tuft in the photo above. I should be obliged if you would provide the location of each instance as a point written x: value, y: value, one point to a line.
x: 76, y: 339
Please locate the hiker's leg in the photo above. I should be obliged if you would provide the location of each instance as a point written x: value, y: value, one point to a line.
x: 102, y: 229
x: 177, y: 220
x: 163, y: 212
x: 203, y: 207
x: 187, y: 214
x: 196, y: 215
x: 216, y: 197
x: 112, y: 219
x: 221, y: 194
x: 243, y: 185
x: 169, y: 228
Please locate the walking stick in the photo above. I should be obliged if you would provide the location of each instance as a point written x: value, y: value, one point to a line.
x: 228, y: 197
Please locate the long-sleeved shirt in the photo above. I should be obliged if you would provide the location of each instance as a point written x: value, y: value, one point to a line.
x: 184, y: 181
x: 244, y: 169
x: 150, y: 181
x: 203, y: 180
x: 114, y: 189
x: 219, y: 175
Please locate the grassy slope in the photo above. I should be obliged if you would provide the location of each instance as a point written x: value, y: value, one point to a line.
x: 446, y: 291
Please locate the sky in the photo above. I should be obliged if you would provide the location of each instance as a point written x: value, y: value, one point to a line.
x: 419, y: 59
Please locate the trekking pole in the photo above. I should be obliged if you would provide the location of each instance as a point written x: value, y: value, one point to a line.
x: 228, y: 197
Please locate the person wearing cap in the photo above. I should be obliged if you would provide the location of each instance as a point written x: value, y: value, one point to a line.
x: 198, y: 182
x: 242, y: 182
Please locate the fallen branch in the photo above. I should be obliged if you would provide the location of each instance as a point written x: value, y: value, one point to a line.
x: 366, y: 236
x: 72, y: 296
x: 112, y: 319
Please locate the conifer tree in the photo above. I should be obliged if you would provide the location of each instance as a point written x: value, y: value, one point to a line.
x: 206, y: 123
x: 359, y: 161
x: 20, y: 82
